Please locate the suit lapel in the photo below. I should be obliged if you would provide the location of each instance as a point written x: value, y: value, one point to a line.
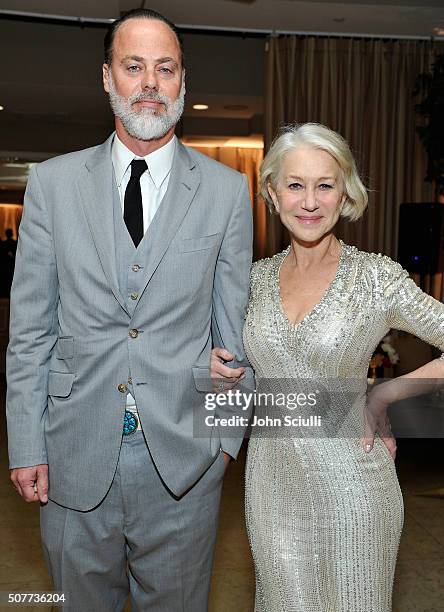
x: 182, y: 187
x: 98, y: 189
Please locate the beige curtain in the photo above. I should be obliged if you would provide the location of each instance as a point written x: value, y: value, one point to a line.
x: 363, y: 89
x: 246, y: 160
x: 10, y: 215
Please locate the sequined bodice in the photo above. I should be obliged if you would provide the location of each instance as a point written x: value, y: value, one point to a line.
x: 369, y: 295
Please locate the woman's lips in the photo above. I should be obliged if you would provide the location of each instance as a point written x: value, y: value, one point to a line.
x: 308, y: 220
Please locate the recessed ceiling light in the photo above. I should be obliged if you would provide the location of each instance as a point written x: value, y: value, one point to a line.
x: 2, y: 108
x: 439, y: 31
x: 200, y: 106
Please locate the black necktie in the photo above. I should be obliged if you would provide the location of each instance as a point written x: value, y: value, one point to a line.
x: 133, y: 211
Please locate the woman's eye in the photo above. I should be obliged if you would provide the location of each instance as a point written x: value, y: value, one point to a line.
x: 325, y: 186
x: 295, y: 186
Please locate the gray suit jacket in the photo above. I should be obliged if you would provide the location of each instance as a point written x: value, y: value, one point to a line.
x: 70, y: 346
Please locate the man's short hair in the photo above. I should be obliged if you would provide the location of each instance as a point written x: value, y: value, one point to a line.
x: 138, y: 14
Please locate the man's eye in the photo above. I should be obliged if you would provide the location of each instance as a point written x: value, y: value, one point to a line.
x: 166, y: 70
x: 133, y: 68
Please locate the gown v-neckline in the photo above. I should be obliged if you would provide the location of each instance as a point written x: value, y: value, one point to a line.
x: 311, y: 313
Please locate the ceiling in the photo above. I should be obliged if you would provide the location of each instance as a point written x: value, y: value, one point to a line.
x: 50, y: 73
x: 390, y: 17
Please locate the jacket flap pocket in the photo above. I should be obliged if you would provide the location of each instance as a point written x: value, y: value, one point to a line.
x: 202, y: 379
x: 65, y: 348
x: 187, y: 245
x: 60, y: 383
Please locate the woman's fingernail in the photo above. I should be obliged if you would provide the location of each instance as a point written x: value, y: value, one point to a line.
x: 367, y: 448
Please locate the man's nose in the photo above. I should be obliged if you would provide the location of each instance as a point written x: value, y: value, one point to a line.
x: 149, y: 80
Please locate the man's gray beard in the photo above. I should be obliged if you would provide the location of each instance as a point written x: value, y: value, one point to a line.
x: 146, y: 124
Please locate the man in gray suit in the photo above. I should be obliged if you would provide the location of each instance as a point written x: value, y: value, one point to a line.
x: 133, y: 260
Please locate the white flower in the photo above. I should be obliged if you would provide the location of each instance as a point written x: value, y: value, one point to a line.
x: 389, y: 350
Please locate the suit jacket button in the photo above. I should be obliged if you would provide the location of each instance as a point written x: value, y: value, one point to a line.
x: 134, y: 296
x: 122, y: 388
x: 135, y: 268
x: 133, y: 333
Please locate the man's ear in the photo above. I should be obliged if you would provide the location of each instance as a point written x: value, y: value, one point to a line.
x: 273, y: 196
x: 105, y: 77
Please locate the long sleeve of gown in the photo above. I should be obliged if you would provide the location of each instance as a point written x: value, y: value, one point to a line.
x: 409, y: 308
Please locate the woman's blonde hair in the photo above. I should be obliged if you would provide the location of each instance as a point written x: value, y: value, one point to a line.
x: 319, y: 137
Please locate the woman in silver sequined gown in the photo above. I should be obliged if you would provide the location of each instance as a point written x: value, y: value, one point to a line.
x: 324, y: 517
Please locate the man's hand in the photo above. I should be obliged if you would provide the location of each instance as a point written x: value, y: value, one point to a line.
x: 376, y: 421
x: 31, y: 482
x: 223, y: 377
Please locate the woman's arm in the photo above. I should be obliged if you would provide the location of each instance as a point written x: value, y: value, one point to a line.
x: 425, y: 379
x: 409, y: 309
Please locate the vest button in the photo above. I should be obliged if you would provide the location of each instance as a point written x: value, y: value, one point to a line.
x: 122, y: 388
x: 134, y: 296
x: 135, y: 268
x: 133, y: 333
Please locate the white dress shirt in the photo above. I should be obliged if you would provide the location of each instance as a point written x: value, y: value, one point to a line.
x: 153, y: 182
x: 153, y: 185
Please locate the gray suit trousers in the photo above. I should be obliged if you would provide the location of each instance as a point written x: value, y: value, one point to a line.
x: 140, y: 540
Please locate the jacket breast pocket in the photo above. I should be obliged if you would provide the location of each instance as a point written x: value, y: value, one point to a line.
x: 60, y: 383
x: 199, y: 243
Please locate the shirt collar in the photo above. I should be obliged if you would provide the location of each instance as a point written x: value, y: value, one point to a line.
x: 159, y: 162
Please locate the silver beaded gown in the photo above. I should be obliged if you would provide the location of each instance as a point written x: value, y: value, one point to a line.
x: 324, y: 518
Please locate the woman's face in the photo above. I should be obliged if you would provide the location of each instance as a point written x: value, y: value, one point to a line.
x: 310, y: 193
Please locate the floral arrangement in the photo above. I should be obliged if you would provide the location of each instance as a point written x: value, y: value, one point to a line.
x: 385, y: 356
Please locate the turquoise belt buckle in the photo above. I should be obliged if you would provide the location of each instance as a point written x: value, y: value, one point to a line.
x: 130, y: 423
